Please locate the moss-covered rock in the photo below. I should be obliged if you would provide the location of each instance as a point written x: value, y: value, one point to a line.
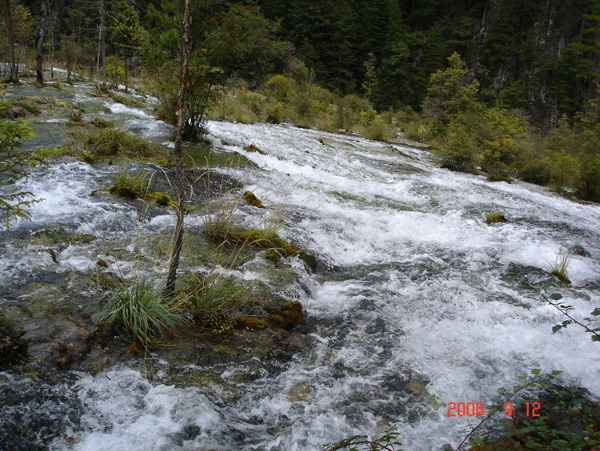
x: 123, y: 191
x: 252, y: 200
x: 253, y: 148
x: 250, y: 323
x: 161, y: 199
x: 495, y: 218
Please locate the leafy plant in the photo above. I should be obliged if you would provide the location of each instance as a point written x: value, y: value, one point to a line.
x: 560, y: 419
x: 565, y: 309
x: 387, y: 442
x: 15, y: 164
x: 140, y: 311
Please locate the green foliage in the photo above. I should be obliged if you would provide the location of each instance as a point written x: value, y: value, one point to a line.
x: 565, y: 418
x: 458, y: 149
x: 140, y: 311
x: 15, y: 164
x: 450, y: 95
x: 587, y: 323
x: 388, y: 441
x: 105, y: 143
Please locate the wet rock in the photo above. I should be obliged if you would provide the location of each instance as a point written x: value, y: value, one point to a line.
x: 57, y: 341
x: 579, y: 250
x: 299, y: 392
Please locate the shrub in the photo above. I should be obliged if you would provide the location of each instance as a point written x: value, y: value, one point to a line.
x: 140, y: 311
x: 378, y: 130
x: 458, y: 150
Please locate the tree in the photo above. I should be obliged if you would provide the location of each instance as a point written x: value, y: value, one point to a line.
x: 181, y: 120
x: 14, y: 164
x: 450, y: 95
x: 127, y: 35
x: 40, y: 35
x: 18, y: 23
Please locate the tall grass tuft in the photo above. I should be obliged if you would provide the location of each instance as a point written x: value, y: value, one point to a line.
x: 140, y: 311
x: 210, y: 300
x: 560, y: 266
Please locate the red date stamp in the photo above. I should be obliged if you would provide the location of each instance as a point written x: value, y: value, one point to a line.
x: 472, y: 409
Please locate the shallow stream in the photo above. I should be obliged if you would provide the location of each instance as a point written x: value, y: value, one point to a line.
x: 416, y: 303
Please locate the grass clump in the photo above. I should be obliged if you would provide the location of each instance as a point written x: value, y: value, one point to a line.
x: 560, y: 266
x: 210, y: 300
x: 141, y: 312
x: 106, y: 143
x: 126, y: 184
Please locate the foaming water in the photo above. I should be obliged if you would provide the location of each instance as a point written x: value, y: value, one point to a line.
x: 418, y: 302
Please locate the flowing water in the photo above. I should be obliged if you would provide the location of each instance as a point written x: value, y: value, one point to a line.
x: 417, y: 302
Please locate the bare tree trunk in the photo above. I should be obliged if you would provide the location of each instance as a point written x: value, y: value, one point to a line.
x: 14, y: 78
x: 102, y: 43
x: 39, y: 42
x: 181, y: 119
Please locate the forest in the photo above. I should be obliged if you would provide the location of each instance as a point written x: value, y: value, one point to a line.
x: 519, y: 99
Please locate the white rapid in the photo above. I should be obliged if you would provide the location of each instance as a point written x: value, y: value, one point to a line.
x: 417, y: 301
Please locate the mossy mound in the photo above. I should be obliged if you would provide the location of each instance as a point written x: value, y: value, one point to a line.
x: 495, y: 218
x: 123, y: 191
x: 106, y: 142
x: 262, y: 239
x: 252, y: 200
x: 253, y: 148
x: 161, y: 199
x: 250, y: 323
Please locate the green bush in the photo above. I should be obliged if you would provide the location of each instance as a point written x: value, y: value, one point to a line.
x: 458, y: 150
x: 588, y: 186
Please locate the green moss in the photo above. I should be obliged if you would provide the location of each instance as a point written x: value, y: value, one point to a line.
x: 276, y: 321
x: 51, y: 152
x: 250, y: 323
x: 75, y: 124
x: 102, y: 263
x: 161, y: 199
x: 562, y: 276
x: 129, y: 185
x: 495, y: 218
x: 273, y: 256
x: 252, y: 200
